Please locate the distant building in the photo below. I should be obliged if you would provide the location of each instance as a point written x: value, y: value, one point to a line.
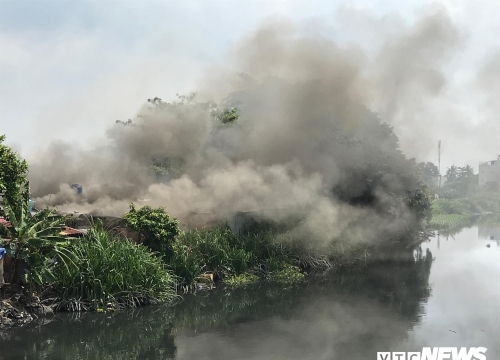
x: 489, y: 172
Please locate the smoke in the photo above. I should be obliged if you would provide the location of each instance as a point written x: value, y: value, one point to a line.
x: 410, y: 75
x: 305, y: 130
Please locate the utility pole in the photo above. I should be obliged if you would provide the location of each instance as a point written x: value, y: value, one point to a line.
x: 439, y: 162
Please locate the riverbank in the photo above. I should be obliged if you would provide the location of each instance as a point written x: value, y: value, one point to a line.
x: 19, y: 306
x: 405, y: 306
x: 453, y: 214
x: 103, y: 272
x: 155, y: 331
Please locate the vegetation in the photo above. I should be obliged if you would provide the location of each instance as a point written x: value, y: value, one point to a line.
x: 13, y: 176
x: 241, y: 280
x: 153, y: 332
x: 101, y: 271
x: 376, y: 168
x: 228, y: 256
x: 34, y: 243
x: 158, y: 229
x: 109, y: 272
x: 486, y: 201
x: 459, y: 200
x: 451, y: 215
x: 224, y: 115
x: 288, y: 274
x: 429, y: 173
x: 448, y: 214
x: 460, y: 182
x: 382, y: 168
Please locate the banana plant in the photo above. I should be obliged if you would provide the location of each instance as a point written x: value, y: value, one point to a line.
x: 35, y: 243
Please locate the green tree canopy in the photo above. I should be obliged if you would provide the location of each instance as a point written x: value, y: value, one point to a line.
x: 428, y: 169
x: 13, y: 175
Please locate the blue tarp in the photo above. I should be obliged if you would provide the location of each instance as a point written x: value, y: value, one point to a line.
x: 2, y: 252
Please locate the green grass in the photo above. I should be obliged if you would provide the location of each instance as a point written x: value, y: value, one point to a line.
x: 241, y: 280
x: 227, y: 255
x: 449, y: 221
x: 264, y: 254
x: 108, y: 272
x: 449, y: 214
x: 288, y: 274
x: 464, y: 207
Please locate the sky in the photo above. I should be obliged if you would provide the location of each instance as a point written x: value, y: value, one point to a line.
x: 70, y: 69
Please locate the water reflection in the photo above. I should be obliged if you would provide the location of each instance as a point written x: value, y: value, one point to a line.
x: 489, y: 228
x: 489, y: 233
x: 464, y: 308
x: 351, y: 314
x: 345, y: 315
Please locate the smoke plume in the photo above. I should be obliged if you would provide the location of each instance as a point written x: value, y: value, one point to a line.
x: 306, y: 142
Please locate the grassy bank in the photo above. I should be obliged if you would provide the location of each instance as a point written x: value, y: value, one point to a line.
x: 154, y: 332
x: 103, y: 271
x: 452, y: 213
x: 449, y: 214
x: 106, y: 272
x: 234, y: 259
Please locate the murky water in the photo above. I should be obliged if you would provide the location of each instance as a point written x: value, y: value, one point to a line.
x: 448, y: 296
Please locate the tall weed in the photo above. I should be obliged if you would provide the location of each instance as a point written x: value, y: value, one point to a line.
x: 113, y: 272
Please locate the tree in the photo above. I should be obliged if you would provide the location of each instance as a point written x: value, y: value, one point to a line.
x: 466, y: 179
x: 451, y: 173
x: 466, y: 172
x: 164, y: 165
x: 428, y: 169
x: 158, y: 229
x: 460, y: 181
x: 34, y: 242
x: 13, y: 176
x: 226, y: 116
x: 430, y: 173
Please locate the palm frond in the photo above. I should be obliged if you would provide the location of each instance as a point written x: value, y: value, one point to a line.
x: 48, y: 231
x: 11, y: 215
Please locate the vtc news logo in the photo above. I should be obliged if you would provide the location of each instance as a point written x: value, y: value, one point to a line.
x: 437, y: 353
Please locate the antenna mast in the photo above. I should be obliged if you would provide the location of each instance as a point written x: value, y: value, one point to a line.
x: 439, y: 161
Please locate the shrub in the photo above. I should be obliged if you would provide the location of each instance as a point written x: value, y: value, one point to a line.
x: 224, y: 253
x: 458, y: 206
x: 34, y: 243
x: 113, y: 272
x: 158, y: 229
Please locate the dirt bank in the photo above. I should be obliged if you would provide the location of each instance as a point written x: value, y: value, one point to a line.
x: 19, y: 307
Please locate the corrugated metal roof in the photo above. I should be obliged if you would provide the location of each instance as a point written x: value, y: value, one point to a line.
x: 68, y: 231
x: 4, y: 222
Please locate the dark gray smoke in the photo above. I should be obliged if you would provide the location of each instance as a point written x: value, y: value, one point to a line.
x: 305, y: 131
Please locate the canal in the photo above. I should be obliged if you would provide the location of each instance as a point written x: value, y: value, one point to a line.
x: 447, y: 295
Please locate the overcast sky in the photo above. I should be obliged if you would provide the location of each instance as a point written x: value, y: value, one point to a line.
x: 69, y: 69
